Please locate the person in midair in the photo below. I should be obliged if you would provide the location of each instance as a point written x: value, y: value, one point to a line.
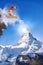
x: 11, y: 9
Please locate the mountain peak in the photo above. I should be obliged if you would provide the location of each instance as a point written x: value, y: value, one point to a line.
x: 26, y: 37
x: 27, y: 44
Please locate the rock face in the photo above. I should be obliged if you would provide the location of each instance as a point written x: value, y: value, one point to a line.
x: 2, y: 25
x: 30, y: 59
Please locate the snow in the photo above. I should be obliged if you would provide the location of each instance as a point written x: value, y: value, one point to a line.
x: 27, y: 44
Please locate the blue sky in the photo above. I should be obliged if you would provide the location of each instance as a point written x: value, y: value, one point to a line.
x: 31, y: 11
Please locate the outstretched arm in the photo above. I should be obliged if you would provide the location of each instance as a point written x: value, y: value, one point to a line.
x: 11, y: 9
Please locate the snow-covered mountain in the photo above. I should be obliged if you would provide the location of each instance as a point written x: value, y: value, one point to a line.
x: 27, y: 44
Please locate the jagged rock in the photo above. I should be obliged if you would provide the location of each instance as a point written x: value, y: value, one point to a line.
x: 2, y: 26
x: 29, y: 60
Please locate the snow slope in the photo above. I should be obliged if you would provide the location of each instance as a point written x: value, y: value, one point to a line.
x: 27, y: 44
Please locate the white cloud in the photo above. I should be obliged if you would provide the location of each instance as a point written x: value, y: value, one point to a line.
x: 22, y: 28
x: 4, y: 13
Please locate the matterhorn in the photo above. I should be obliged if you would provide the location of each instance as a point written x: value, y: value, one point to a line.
x: 26, y: 45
